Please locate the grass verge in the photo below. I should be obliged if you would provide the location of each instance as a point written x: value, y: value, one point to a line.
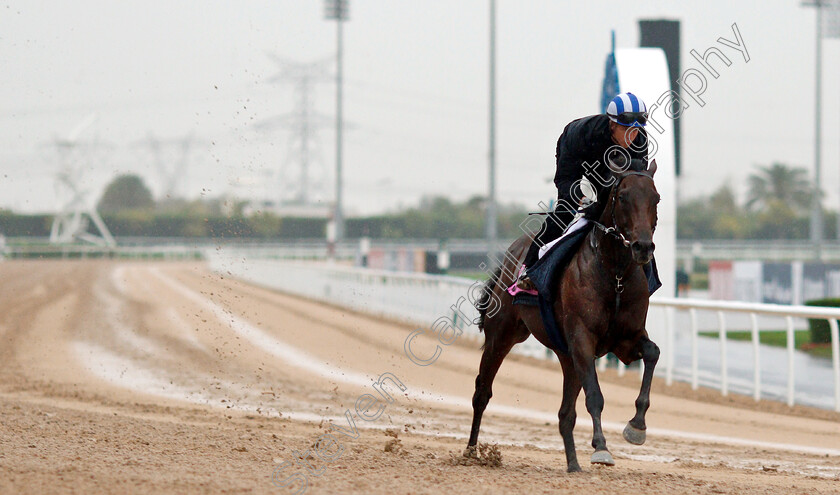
x: 778, y: 338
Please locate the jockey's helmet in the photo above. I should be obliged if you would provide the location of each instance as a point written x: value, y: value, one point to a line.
x: 628, y: 110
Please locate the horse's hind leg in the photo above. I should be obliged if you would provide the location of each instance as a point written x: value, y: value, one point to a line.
x: 567, y: 414
x: 634, y: 432
x: 495, y: 351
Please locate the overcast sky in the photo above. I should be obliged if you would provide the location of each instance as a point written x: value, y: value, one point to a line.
x: 415, y: 95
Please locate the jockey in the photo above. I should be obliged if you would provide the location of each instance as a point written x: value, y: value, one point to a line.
x: 584, y: 149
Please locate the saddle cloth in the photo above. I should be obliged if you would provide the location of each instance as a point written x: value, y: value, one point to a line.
x: 519, y: 294
x: 554, y: 258
x: 579, y: 223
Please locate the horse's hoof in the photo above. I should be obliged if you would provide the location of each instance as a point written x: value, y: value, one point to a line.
x: 574, y: 468
x: 602, y: 457
x: 634, y: 435
x: 471, y: 452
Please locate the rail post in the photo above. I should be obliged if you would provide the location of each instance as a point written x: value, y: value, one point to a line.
x: 669, y: 359
x: 693, y: 313
x: 790, y: 348
x: 602, y: 363
x: 756, y: 358
x: 835, y: 361
x: 724, y: 376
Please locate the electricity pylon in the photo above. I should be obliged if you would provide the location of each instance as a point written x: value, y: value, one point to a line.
x: 299, y: 183
x: 72, y: 222
x: 172, y: 173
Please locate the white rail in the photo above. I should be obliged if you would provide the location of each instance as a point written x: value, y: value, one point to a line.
x: 753, y: 310
x: 422, y: 299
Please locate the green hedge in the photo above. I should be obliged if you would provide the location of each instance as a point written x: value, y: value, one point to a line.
x: 138, y: 223
x: 147, y: 223
x: 14, y: 225
x: 820, y: 331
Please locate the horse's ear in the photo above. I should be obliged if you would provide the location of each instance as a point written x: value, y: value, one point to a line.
x: 651, y: 168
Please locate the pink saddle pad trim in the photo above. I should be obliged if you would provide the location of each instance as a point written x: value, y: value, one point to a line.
x: 514, y: 290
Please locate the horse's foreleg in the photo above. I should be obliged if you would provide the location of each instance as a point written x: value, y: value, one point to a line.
x: 567, y: 414
x: 584, y: 360
x: 634, y: 432
x: 494, y: 353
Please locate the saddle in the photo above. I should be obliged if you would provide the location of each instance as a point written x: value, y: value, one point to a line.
x: 549, y: 267
x: 554, y: 257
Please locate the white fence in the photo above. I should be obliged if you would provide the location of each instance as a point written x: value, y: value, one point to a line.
x: 410, y: 297
x: 414, y: 298
x: 421, y: 299
x: 753, y: 311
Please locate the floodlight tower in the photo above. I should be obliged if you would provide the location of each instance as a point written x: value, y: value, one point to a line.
x: 491, y: 228
x: 338, y: 11
x: 828, y: 13
x: 72, y: 221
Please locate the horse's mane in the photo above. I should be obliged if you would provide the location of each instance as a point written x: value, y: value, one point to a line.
x: 618, y: 163
x: 638, y: 165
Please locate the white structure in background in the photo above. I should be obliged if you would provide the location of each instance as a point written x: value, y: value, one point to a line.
x: 795, y: 282
x: 72, y: 222
x: 644, y: 72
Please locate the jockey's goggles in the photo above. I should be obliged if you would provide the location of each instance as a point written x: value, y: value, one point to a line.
x: 630, y: 118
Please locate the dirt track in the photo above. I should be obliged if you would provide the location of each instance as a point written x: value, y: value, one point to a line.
x: 166, y: 378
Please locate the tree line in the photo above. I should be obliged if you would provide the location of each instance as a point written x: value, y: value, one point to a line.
x: 777, y: 206
x: 129, y: 210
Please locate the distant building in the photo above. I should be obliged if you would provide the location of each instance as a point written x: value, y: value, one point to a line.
x: 298, y: 210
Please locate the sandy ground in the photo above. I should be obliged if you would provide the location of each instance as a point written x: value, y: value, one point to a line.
x: 166, y: 378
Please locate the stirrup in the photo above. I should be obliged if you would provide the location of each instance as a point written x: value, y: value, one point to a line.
x: 525, y: 283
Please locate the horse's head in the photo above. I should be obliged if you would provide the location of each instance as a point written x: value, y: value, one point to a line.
x: 633, y: 209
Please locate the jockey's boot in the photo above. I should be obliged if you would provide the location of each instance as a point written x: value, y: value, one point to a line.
x: 525, y: 283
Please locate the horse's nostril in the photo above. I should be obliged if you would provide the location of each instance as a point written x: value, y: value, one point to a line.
x: 643, y: 247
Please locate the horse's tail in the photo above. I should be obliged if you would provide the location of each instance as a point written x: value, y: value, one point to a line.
x: 486, y: 293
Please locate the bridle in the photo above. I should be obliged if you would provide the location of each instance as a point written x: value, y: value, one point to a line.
x: 615, y: 232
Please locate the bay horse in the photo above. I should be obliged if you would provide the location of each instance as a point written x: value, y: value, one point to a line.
x: 601, y: 306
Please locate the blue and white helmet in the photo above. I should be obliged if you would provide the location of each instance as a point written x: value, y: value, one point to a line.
x: 628, y: 110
